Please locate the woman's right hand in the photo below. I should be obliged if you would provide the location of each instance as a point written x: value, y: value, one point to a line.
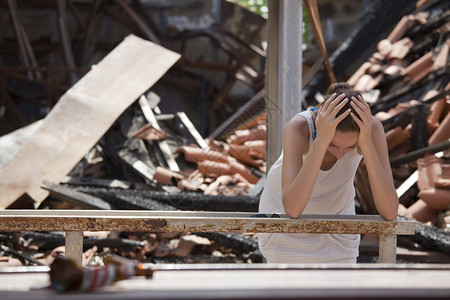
x: 326, y: 120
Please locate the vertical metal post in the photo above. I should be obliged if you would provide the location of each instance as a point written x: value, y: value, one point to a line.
x: 387, y: 248
x: 74, y: 246
x: 283, y: 70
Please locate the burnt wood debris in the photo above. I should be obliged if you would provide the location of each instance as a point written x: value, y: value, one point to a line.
x: 189, y: 144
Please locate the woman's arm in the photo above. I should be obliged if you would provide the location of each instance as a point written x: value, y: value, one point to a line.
x: 372, y: 142
x: 298, y: 177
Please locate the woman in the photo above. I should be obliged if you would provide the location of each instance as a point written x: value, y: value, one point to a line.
x: 314, y: 175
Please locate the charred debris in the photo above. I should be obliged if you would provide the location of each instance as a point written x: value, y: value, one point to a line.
x: 154, y: 160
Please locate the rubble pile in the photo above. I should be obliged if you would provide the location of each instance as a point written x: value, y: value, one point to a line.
x: 407, y: 83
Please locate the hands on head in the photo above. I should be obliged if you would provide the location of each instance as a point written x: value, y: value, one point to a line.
x: 329, y: 116
x: 364, y: 119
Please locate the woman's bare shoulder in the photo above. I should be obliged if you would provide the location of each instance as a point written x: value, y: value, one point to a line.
x: 377, y: 128
x: 296, y: 132
x: 298, y: 125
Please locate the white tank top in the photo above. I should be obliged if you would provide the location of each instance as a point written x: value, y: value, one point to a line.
x: 333, y: 193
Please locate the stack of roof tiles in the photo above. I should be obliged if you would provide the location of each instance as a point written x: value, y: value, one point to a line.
x: 410, y: 70
x: 230, y: 168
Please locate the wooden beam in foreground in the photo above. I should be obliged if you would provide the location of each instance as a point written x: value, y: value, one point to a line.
x: 74, y: 222
x: 195, y: 221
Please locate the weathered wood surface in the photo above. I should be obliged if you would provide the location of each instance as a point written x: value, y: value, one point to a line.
x: 74, y: 222
x: 254, y: 281
x: 194, y: 221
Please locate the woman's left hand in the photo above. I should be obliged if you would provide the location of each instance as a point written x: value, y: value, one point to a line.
x: 364, y: 120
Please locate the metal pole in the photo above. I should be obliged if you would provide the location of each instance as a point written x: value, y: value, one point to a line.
x: 283, y: 70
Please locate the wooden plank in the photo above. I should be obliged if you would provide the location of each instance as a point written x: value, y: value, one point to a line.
x: 192, y: 130
x: 75, y: 198
x: 150, y: 116
x: 82, y: 115
x: 11, y: 143
x: 313, y: 13
x: 387, y: 248
x: 193, y: 221
x: 74, y: 246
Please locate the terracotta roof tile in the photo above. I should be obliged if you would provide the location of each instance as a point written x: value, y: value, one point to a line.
x: 236, y: 167
x: 382, y: 115
x: 397, y: 136
x: 368, y: 83
x: 165, y: 176
x: 249, y: 153
x: 419, y: 69
x: 376, y: 68
x: 429, y: 169
x: 401, y: 63
x: 213, y: 168
x: 406, y: 23
x: 392, y: 70
x: 436, y: 198
x: 241, y: 136
x: 443, y: 181
x: 384, y: 47
x: 360, y: 72
x: 221, y: 180
x: 193, y: 183
x: 400, y: 48
x: 194, y: 154
x: 442, y: 133
x: 436, y: 110
x: 420, y: 211
x: 441, y: 59
x: 148, y: 132
x: 421, y: 3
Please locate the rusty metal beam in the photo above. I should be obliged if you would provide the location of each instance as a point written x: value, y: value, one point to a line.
x: 193, y: 221
x: 74, y: 222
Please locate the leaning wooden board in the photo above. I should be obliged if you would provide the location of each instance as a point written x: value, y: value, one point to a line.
x: 81, y: 117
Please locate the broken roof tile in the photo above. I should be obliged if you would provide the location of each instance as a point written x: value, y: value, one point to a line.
x: 194, y: 154
x: 360, y: 72
x: 443, y: 180
x: 406, y: 23
x: 241, y: 136
x: 213, y: 187
x: 165, y: 176
x: 442, y: 133
x: 419, y: 68
x: 429, y: 168
x: 441, y: 59
x: 384, y: 47
x: 248, y: 154
x: 150, y: 133
x: 436, y: 110
x: 401, y: 48
x: 397, y: 136
x: 435, y: 198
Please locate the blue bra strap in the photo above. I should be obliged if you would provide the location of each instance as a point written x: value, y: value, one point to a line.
x: 314, y: 134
